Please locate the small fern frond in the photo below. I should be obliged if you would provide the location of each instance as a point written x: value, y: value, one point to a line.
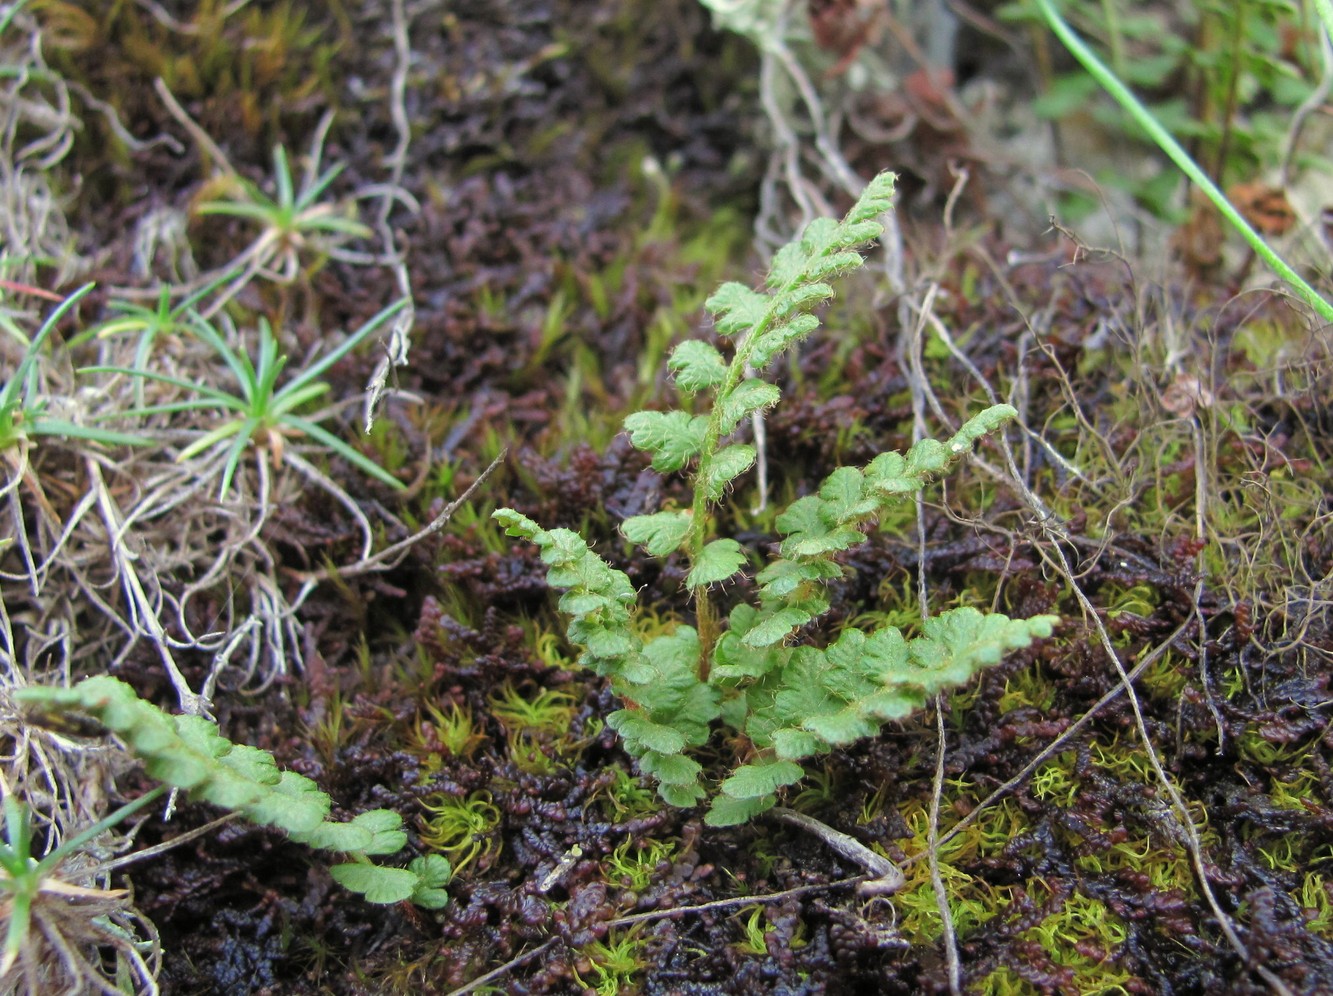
x: 188, y: 753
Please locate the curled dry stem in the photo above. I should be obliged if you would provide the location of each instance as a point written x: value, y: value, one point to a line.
x: 883, y: 877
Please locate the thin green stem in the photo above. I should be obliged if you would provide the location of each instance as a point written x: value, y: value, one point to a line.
x: 1180, y: 157
x: 706, y: 622
x: 1235, y: 42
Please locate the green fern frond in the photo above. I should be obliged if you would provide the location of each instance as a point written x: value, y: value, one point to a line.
x: 783, y: 701
x: 188, y: 753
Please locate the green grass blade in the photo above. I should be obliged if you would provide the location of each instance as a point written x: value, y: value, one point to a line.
x: 1325, y: 8
x: 265, y: 211
x: 67, y: 847
x: 266, y: 373
x: 43, y: 426
x: 282, y: 177
x: 240, y: 365
x: 319, y: 433
x: 338, y: 225
x: 246, y: 430
x: 135, y: 321
x: 348, y: 344
x: 288, y: 400
x: 7, y: 18
x: 195, y: 297
x: 193, y: 405
x: 212, y: 393
x: 211, y: 438
x: 26, y: 365
x: 19, y: 921
x: 312, y: 195
x: 18, y: 831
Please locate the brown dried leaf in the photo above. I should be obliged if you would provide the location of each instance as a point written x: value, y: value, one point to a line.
x: 1264, y: 207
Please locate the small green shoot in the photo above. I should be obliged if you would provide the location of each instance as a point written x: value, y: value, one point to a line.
x: 548, y: 711
x: 291, y: 220
x: 452, y: 731
x: 626, y: 797
x: 265, y: 414
x: 9, y: 317
x: 634, y: 863
x: 151, y: 324
x: 755, y: 931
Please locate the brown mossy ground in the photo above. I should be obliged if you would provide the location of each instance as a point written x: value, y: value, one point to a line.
x: 550, y: 273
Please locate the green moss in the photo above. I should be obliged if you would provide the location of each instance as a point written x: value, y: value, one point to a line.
x: 755, y: 929
x: 1083, y: 921
x: 1293, y: 783
x: 462, y: 829
x: 445, y: 732
x: 1004, y: 981
x: 1139, y: 601
x: 1166, y: 677
x: 1123, y: 758
x: 1280, y: 854
x: 635, y: 862
x: 1298, y: 791
x: 765, y: 853
x: 1053, y: 782
x: 819, y: 789
x: 473, y: 520
x: 613, y: 964
x: 1168, y: 868
x: 1316, y: 898
x: 537, y: 727
x: 327, y: 734
x: 244, y: 69
x: 550, y: 647
x: 1083, y: 936
x: 626, y: 797
x: 972, y: 900
x: 542, y: 711
x: 1027, y: 689
x: 1167, y: 865
x: 533, y: 753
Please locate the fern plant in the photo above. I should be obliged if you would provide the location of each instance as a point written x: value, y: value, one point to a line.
x: 188, y: 752
x: 788, y: 701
